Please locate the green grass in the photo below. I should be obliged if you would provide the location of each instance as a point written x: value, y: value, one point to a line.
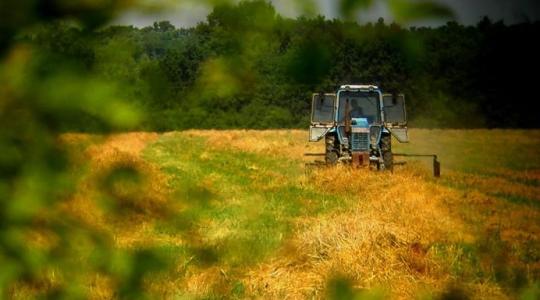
x: 245, y: 208
x: 477, y: 151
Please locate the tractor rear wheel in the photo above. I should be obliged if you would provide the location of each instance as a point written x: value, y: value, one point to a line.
x: 331, y: 153
x: 386, y: 148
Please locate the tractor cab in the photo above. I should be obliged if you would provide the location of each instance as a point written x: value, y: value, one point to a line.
x: 359, y: 104
x: 357, y: 123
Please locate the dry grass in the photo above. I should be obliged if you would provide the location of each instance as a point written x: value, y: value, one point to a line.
x: 402, y: 232
x: 125, y: 207
x: 382, y: 239
x: 290, y: 144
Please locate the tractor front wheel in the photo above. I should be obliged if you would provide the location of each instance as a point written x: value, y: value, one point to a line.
x: 386, y: 148
x: 331, y: 153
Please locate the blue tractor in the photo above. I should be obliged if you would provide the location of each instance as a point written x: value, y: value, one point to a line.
x: 357, y: 123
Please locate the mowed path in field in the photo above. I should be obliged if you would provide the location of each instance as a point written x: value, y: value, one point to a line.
x: 248, y: 221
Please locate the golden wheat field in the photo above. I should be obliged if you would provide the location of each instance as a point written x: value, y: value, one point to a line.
x: 239, y: 216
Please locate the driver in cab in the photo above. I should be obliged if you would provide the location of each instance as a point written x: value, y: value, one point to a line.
x: 356, y: 111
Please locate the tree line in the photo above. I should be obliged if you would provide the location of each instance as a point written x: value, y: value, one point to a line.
x: 248, y: 67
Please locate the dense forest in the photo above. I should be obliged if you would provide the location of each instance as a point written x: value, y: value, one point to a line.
x: 248, y: 67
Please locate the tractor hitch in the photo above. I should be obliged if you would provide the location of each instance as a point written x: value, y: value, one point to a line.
x: 314, y: 154
x: 436, y: 162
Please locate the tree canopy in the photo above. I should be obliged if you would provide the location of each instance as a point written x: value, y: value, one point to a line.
x: 248, y: 67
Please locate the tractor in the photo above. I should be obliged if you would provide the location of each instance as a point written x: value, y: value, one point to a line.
x: 357, y: 124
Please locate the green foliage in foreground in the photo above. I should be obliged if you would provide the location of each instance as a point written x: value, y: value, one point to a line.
x: 42, y: 250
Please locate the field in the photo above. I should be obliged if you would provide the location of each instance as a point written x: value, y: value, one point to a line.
x: 237, y: 216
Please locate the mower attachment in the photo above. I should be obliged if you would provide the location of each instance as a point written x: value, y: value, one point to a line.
x: 436, y: 163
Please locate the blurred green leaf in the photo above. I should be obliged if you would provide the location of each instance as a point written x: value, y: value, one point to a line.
x: 342, y: 288
x: 410, y: 11
x: 310, y: 63
x: 531, y: 292
x: 349, y: 8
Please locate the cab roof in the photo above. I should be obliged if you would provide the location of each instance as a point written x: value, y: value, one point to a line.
x: 358, y: 87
